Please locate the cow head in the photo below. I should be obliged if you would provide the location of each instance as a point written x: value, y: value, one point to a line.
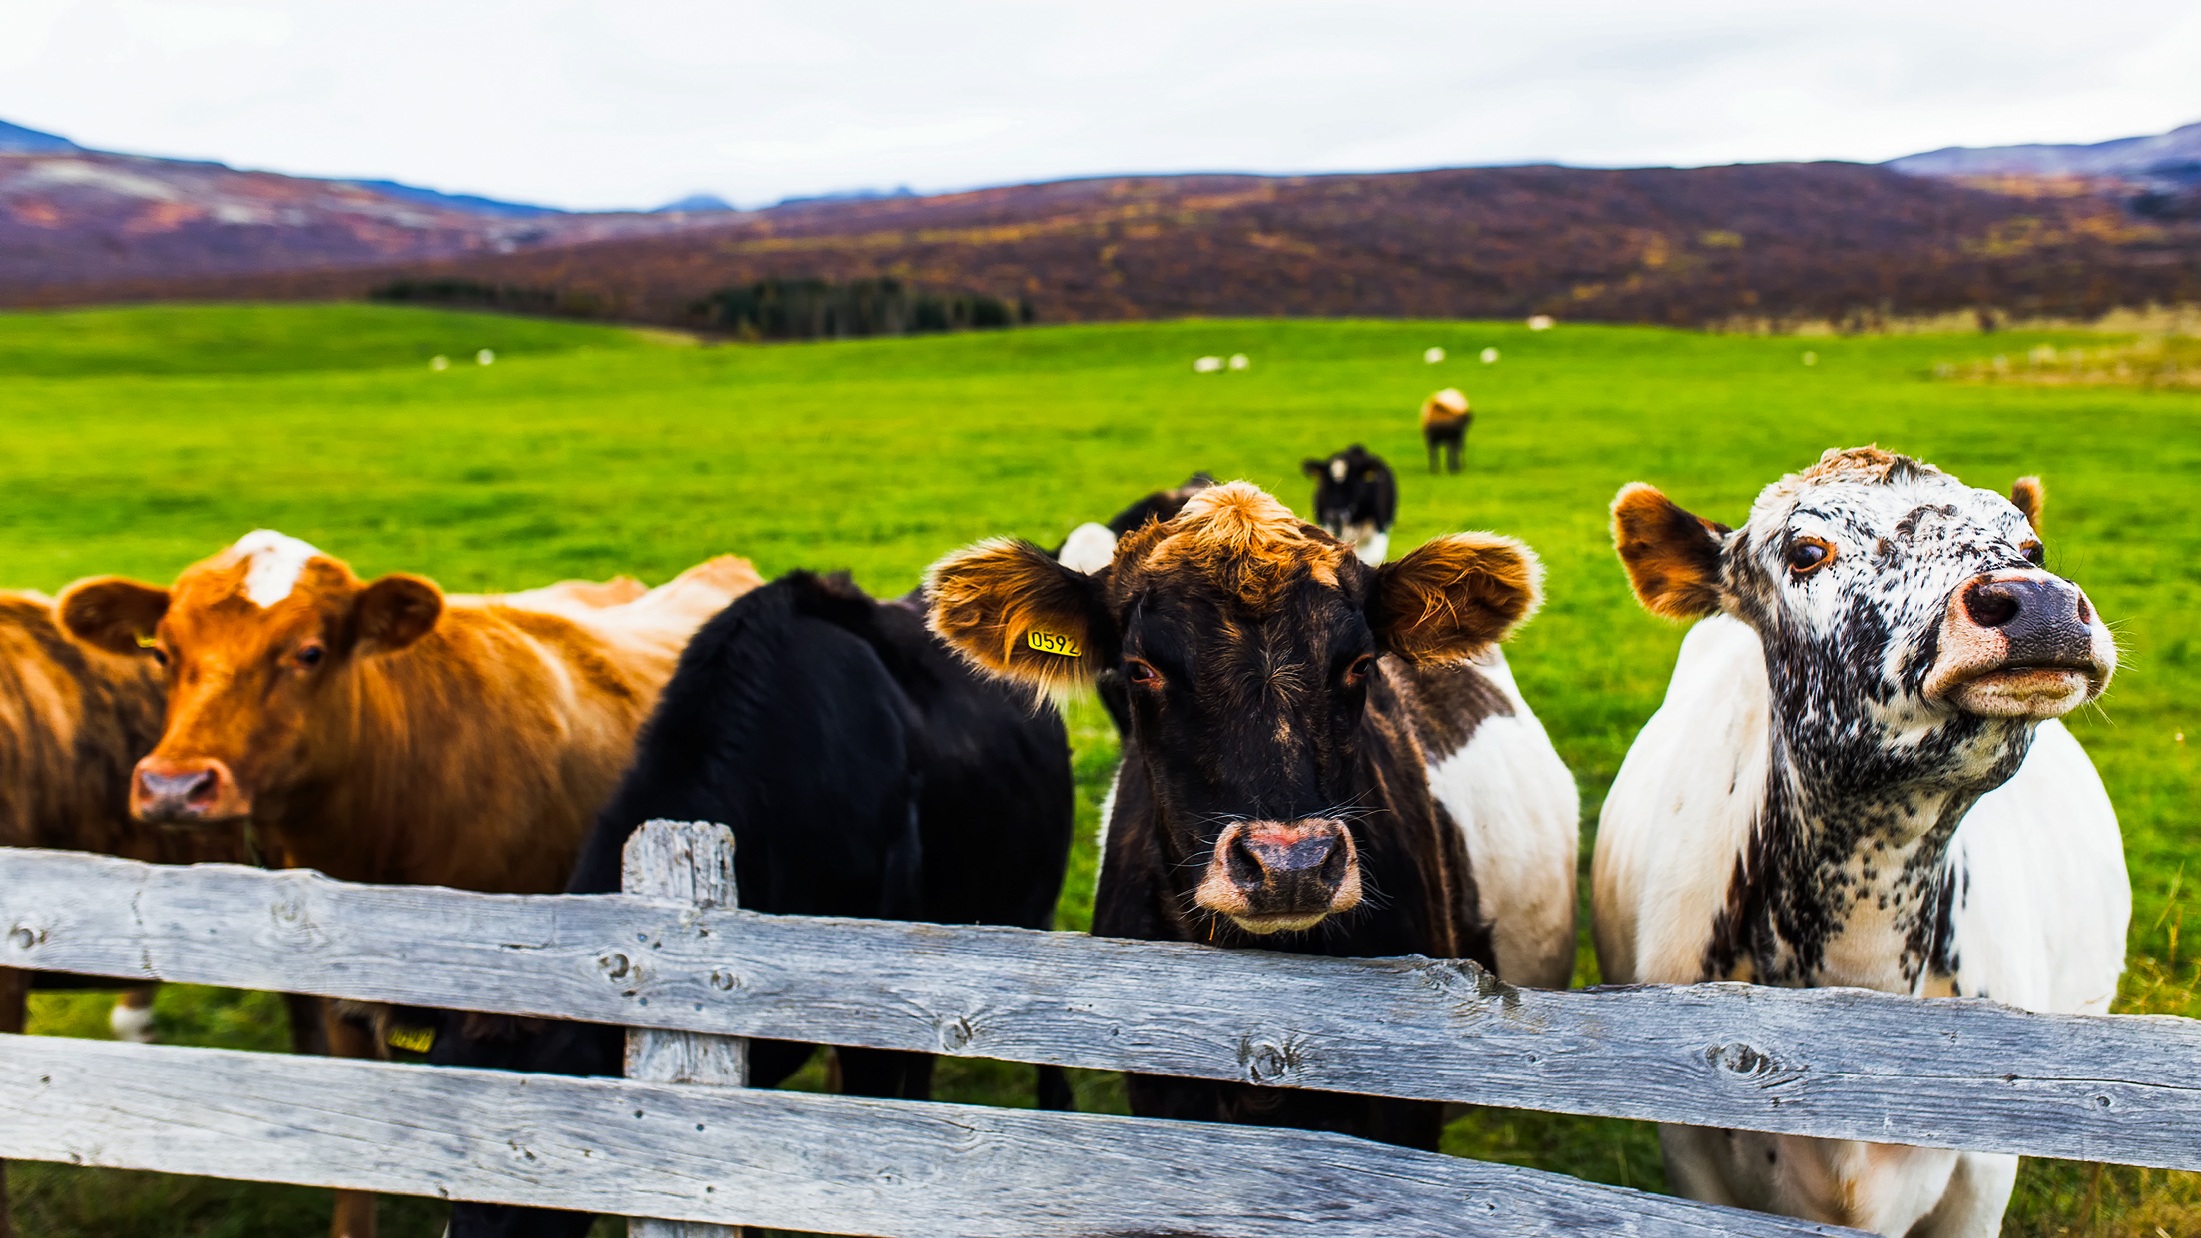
x: 259, y: 644
x: 1250, y: 644
x: 1354, y: 499
x: 1910, y: 631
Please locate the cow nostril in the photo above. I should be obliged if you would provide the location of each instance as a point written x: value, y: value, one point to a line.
x: 201, y: 788
x: 1246, y: 869
x: 1990, y: 604
x: 2086, y: 613
x: 1332, y: 869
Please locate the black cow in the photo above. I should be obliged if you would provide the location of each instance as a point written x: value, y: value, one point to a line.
x: 865, y: 771
x: 1322, y: 756
x: 1356, y: 499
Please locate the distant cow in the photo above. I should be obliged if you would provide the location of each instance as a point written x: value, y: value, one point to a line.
x: 1445, y: 418
x: 1356, y: 499
x: 865, y: 771
x: 1816, y: 802
x: 1323, y: 756
x: 379, y: 731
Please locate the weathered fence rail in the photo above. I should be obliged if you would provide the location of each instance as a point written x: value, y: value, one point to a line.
x: 688, y: 969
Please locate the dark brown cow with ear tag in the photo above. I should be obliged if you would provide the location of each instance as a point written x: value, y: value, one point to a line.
x: 1322, y: 756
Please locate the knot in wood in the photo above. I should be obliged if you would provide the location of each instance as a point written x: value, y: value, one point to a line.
x: 956, y: 1033
x: 288, y: 911
x: 724, y: 981
x: 24, y: 936
x: 1740, y: 1059
x: 614, y: 966
x: 1268, y: 1061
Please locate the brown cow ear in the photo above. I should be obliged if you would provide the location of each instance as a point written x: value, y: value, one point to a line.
x: 1017, y: 614
x: 395, y: 611
x: 108, y: 612
x: 2031, y: 498
x: 1672, y: 557
x: 1453, y: 597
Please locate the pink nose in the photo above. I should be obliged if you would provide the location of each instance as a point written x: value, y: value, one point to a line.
x: 1275, y: 876
x: 2020, y: 643
x: 188, y: 792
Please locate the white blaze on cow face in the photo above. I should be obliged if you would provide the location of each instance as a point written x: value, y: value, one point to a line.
x: 276, y: 562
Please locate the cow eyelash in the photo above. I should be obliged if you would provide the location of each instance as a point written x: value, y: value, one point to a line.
x: 1808, y: 554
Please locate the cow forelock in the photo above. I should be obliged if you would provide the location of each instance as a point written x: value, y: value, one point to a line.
x: 273, y: 563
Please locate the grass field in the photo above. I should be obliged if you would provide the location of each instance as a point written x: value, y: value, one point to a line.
x: 139, y: 440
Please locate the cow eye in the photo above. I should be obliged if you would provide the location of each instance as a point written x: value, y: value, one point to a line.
x: 1361, y: 668
x: 160, y: 655
x: 2034, y: 553
x: 1142, y: 672
x: 309, y: 656
x: 1808, y: 555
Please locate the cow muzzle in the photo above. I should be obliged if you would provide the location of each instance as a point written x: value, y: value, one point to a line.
x: 2021, y: 644
x: 198, y: 791
x: 1281, y: 876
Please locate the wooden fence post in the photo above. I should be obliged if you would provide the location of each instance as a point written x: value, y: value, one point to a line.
x: 692, y: 861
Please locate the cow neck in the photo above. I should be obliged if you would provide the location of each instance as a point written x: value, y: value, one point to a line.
x: 1845, y: 885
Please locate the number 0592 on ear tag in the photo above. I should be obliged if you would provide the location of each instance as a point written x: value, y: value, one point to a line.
x: 1054, y: 643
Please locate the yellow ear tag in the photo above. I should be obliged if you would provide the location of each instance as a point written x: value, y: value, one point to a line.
x: 145, y: 641
x: 1054, y: 643
x: 412, y: 1039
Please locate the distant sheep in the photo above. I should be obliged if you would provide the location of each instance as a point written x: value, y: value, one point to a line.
x: 1539, y: 322
x: 1206, y: 365
x: 1432, y: 356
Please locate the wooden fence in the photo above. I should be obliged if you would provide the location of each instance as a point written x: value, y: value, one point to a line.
x: 673, y: 959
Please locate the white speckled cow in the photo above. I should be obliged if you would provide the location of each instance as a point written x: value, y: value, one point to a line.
x: 1817, y: 801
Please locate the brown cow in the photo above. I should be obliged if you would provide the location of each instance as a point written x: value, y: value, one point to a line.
x: 1445, y: 418
x: 72, y: 720
x: 380, y: 731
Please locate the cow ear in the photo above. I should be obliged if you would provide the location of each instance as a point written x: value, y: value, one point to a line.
x: 108, y: 612
x: 1672, y: 557
x: 1313, y: 468
x: 2030, y: 497
x: 1453, y: 597
x: 1017, y: 614
x: 393, y: 612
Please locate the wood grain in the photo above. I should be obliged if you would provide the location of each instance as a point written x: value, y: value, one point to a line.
x: 694, y: 863
x: 1827, y: 1062
x: 790, y: 1160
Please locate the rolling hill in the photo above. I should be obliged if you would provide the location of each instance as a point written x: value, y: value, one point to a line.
x: 1851, y: 243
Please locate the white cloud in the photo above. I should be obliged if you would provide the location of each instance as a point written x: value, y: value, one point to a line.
x: 592, y: 103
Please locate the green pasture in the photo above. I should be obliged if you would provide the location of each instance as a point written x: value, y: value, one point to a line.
x: 136, y: 441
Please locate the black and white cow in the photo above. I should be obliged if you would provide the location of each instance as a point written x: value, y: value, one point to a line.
x: 1322, y: 756
x: 865, y: 771
x: 1816, y: 802
x: 1092, y: 544
x: 1356, y: 500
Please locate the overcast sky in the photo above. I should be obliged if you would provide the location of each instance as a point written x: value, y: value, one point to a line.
x: 591, y: 103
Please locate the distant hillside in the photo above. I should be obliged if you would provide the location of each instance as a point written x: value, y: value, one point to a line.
x: 1782, y: 242
x: 1691, y: 246
x: 74, y: 222
x: 2175, y: 153
x: 17, y: 138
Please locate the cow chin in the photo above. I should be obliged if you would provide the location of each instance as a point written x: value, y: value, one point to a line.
x: 2033, y: 693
